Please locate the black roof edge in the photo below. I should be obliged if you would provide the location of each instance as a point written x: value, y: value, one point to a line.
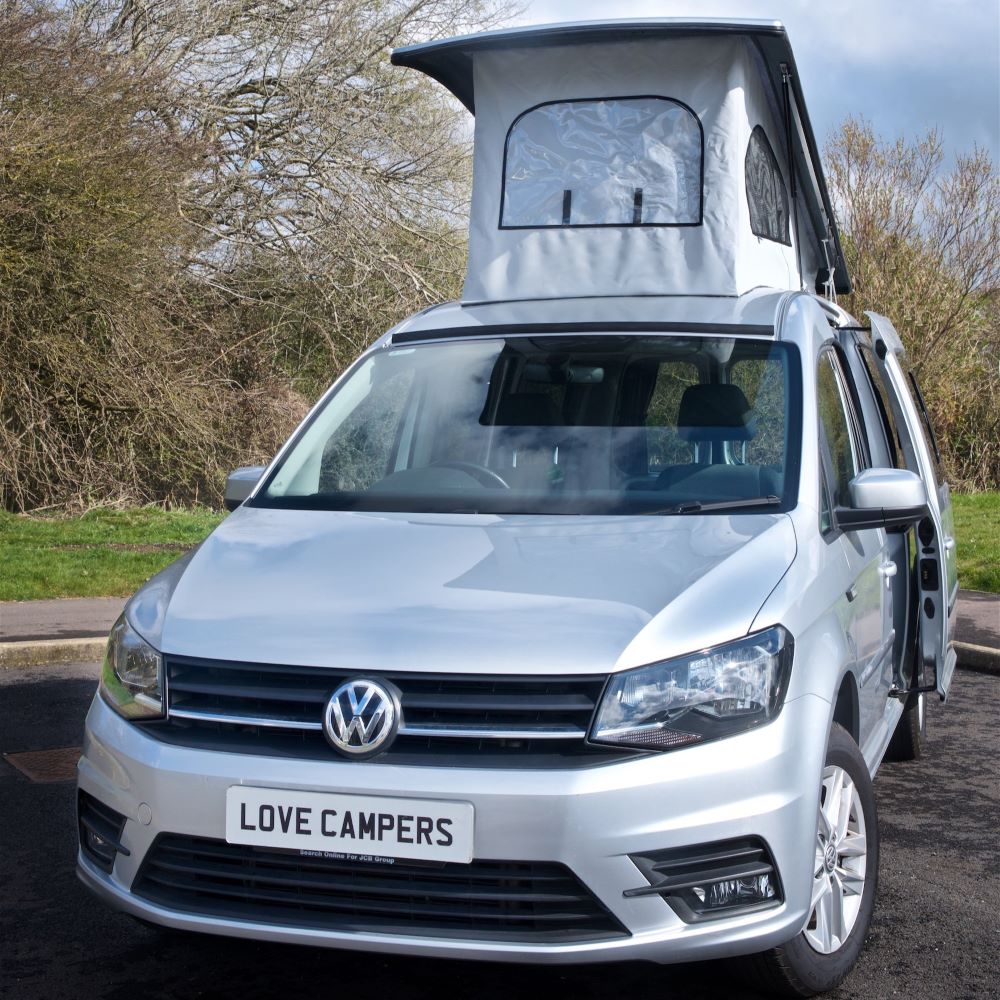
x: 449, y: 62
x: 609, y: 328
x: 433, y: 58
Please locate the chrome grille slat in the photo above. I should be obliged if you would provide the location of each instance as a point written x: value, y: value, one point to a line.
x: 234, y: 719
x: 539, y: 732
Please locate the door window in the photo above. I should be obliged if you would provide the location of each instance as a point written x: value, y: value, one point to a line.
x: 925, y: 420
x: 890, y: 428
x: 837, y: 442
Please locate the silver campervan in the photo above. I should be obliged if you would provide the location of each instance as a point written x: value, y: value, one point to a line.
x: 576, y: 619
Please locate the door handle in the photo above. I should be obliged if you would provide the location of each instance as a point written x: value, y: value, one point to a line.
x: 887, y: 571
x: 949, y: 543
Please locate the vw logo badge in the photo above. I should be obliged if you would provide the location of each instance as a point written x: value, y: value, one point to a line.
x: 361, y: 717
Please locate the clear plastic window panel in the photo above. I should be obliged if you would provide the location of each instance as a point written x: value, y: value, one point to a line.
x: 615, y: 162
x: 766, y: 194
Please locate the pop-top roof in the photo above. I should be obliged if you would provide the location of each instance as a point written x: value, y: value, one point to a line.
x: 640, y: 85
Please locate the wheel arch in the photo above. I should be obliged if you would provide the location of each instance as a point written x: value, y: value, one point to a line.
x: 846, y: 707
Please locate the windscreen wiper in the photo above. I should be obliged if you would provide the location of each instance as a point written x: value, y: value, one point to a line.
x: 697, y: 507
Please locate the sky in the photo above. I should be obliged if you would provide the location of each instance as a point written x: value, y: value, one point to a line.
x: 905, y: 65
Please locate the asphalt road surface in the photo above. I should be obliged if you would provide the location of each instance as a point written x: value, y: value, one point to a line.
x: 936, y: 932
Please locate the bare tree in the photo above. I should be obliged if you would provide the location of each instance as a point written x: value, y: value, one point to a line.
x: 923, y: 245
x: 341, y: 171
x: 206, y: 208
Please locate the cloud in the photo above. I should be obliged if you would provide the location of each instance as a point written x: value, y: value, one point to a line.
x: 905, y: 66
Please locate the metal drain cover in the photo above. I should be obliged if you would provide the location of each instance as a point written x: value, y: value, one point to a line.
x: 43, y: 766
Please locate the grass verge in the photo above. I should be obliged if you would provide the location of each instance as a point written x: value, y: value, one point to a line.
x: 106, y: 553
x: 977, y: 536
x: 103, y: 553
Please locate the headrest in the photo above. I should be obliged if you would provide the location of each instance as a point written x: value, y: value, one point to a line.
x: 527, y: 409
x: 715, y: 413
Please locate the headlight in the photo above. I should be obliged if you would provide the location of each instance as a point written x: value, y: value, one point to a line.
x: 130, y: 678
x: 703, y: 696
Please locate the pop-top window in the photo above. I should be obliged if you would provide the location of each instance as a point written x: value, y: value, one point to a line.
x: 766, y: 194
x: 624, y: 161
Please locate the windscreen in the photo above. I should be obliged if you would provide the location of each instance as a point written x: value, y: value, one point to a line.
x: 551, y: 424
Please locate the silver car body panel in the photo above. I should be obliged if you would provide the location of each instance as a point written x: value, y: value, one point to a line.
x: 471, y: 593
x: 757, y: 781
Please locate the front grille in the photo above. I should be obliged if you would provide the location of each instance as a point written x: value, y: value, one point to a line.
x: 482, y: 720
x: 512, y: 900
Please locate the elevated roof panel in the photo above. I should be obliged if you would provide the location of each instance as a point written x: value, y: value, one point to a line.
x: 451, y: 62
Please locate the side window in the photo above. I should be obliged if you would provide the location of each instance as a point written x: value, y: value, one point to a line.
x: 925, y: 420
x: 836, y: 438
x: 889, y: 428
x: 663, y: 445
x: 357, y: 454
x: 767, y: 197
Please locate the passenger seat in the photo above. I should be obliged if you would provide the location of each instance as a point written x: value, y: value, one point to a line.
x: 709, y: 415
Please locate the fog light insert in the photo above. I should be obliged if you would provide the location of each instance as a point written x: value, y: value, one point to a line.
x: 710, y: 881
x: 100, y: 831
x: 735, y: 892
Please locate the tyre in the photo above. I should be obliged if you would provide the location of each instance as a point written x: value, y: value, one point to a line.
x: 845, y: 880
x: 907, y: 741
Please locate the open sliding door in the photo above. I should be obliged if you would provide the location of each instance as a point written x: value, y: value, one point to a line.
x: 937, y: 576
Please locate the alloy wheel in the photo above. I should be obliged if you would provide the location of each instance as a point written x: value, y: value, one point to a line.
x: 841, y: 862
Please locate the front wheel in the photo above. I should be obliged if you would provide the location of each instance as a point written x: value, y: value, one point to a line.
x: 845, y: 880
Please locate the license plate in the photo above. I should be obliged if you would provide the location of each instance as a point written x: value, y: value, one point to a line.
x: 350, y: 824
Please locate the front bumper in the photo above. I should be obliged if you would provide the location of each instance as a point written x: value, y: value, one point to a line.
x: 763, y: 784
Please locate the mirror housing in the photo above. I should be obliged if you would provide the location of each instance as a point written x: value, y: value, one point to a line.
x: 892, y: 499
x: 240, y: 484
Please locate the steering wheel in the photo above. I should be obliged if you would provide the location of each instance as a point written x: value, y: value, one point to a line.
x: 483, y: 474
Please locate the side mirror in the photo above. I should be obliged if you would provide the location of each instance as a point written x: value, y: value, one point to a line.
x: 240, y: 484
x: 884, y: 498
